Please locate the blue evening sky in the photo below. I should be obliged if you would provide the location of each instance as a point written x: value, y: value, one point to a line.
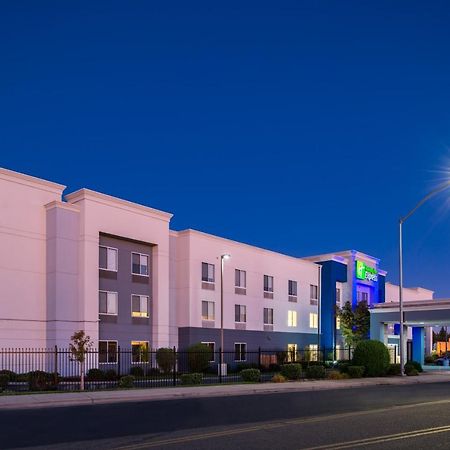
x: 300, y: 126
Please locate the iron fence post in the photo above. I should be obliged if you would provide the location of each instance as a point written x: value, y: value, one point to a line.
x: 55, y: 371
x: 118, y: 361
x: 174, y: 366
x: 220, y: 365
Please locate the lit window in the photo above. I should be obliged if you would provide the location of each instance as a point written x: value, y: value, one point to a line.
x: 208, y: 272
x: 240, y: 350
x: 139, y: 306
x: 313, y: 320
x: 292, y: 352
x: 292, y: 318
x: 208, y: 310
x: 338, y: 323
x: 313, y: 352
x: 240, y: 278
x: 292, y: 286
x: 139, y: 264
x: 107, y: 303
x: 268, y: 316
x: 240, y: 313
x: 268, y: 283
x: 139, y: 351
x: 107, y: 351
x: 107, y: 258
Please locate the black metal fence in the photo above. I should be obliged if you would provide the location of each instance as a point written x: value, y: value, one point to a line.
x: 58, y: 369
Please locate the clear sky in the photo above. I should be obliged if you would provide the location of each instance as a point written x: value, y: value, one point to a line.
x: 300, y: 126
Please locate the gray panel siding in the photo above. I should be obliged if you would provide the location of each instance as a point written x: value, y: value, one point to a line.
x: 267, y: 340
x: 125, y: 328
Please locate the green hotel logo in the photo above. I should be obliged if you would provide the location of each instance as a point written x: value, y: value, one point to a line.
x: 364, y: 272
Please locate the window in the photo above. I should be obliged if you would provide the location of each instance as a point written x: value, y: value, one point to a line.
x: 292, y: 352
x: 338, y: 297
x: 313, y: 352
x: 212, y: 346
x: 207, y: 272
x: 268, y: 316
x: 107, y: 352
x: 313, y: 320
x: 208, y: 311
x: 240, y: 313
x: 292, y: 318
x: 338, y: 323
x: 107, y: 258
x: 240, y: 350
x: 107, y: 303
x: 362, y: 296
x: 292, y: 285
x: 139, y: 264
x: 139, y: 306
x: 240, y: 278
x: 139, y: 352
x: 268, y: 283
x: 313, y: 294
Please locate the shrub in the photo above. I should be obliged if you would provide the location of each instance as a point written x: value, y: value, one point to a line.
x: 165, y: 357
x: 137, y: 372
x: 274, y: 367
x: 191, y: 378
x: 394, y: 369
x: 278, y: 378
x: 315, y: 372
x: 244, y: 366
x: 126, y: 382
x: 374, y: 356
x: 252, y: 375
x: 342, y: 366
x: 41, y: 381
x: 152, y: 372
x: 356, y: 371
x: 281, y: 357
x: 336, y: 375
x: 4, y: 380
x: 110, y: 375
x: 291, y: 371
x: 199, y: 356
x: 95, y: 375
x: 416, y: 365
x: 412, y: 372
x: 12, y: 375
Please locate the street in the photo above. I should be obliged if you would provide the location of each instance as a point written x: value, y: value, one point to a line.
x: 388, y: 417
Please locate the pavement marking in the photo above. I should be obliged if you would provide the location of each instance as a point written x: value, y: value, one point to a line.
x: 382, y: 439
x: 288, y: 422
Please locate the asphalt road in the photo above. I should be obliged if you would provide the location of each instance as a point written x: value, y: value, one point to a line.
x: 387, y: 417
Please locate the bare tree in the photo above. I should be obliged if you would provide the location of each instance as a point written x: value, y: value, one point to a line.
x: 80, y: 345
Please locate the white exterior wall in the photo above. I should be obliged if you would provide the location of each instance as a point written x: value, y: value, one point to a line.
x: 194, y: 247
x: 409, y: 294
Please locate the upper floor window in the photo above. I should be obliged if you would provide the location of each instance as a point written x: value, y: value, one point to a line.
x: 139, y: 306
x: 362, y: 296
x: 313, y: 320
x: 313, y: 294
x: 139, y: 264
x: 292, y: 287
x: 240, y: 313
x: 107, y: 258
x: 268, y: 316
x: 338, y: 297
x: 107, y: 302
x: 208, y: 272
x: 208, y: 312
x: 292, y: 318
x: 240, y: 278
x: 268, y: 283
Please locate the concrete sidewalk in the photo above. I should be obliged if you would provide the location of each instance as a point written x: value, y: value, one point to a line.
x: 26, y: 401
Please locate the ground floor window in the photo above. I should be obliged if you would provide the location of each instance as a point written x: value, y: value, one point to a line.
x: 240, y: 350
x: 292, y: 352
x: 107, y: 352
x: 313, y: 352
x: 139, y: 351
x: 212, y: 347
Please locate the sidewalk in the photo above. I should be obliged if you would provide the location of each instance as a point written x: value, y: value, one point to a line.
x: 173, y: 393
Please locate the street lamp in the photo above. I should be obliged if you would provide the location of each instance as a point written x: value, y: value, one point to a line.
x: 440, y: 188
x: 223, y: 258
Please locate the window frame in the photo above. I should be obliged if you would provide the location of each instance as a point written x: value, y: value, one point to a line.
x: 108, y: 352
x: 148, y: 306
x: 295, y: 283
x: 117, y: 302
x: 240, y: 313
x: 268, y: 316
x: 264, y: 284
x: 117, y: 258
x: 240, y: 351
x: 314, y: 320
x: 148, y: 264
x: 148, y: 351
x: 236, y: 271
x: 292, y: 314
x: 214, y: 273
x: 214, y: 311
x: 208, y: 343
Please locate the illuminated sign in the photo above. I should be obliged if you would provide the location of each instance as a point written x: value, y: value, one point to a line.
x: 364, y: 272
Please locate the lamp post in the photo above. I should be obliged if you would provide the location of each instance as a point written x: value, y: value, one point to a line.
x: 403, y: 219
x: 222, y: 263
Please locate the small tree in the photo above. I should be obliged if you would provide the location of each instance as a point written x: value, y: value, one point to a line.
x: 79, y: 346
x: 165, y: 357
x: 441, y: 336
x: 355, y: 323
x: 199, y: 356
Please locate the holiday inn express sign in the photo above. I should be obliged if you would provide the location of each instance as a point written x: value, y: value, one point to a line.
x: 364, y: 272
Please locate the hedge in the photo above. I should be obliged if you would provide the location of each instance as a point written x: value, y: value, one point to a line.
x: 252, y: 375
x: 316, y: 372
x: 191, y: 378
x: 355, y: 371
x: 291, y: 371
x: 127, y: 381
x: 374, y: 356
